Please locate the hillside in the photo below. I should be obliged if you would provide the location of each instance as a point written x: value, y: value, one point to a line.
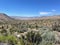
x: 4, y: 18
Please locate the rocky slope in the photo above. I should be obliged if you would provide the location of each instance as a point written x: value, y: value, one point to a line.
x: 4, y: 18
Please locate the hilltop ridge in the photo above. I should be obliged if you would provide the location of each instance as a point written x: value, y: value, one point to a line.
x: 5, y: 18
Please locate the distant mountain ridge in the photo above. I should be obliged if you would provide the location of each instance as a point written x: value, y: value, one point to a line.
x: 6, y: 18
x: 33, y: 18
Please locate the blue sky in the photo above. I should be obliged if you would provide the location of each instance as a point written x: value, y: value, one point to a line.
x: 29, y: 8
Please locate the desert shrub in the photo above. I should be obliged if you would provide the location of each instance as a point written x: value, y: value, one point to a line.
x: 12, y: 30
x: 3, y: 38
x: 56, y: 26
x: 32, y: 38
x: 49, y: 36
x: 46, y: 43
x: 21, y: 42
x: 12, y: 40
x: 43, y: 30
x: 23, y: 30
x: 4, y: 32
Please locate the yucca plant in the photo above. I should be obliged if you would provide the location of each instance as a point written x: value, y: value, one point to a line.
x: 32, y: 38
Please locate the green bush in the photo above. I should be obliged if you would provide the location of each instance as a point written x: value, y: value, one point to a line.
x: 3, y: 38
x: 12, y: 39
x: 49, y: 36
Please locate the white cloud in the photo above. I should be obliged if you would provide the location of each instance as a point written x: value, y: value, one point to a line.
x: 45, y: 13
x: 53, y: 10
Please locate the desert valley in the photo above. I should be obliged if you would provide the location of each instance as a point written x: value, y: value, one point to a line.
x: 29, y: 30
